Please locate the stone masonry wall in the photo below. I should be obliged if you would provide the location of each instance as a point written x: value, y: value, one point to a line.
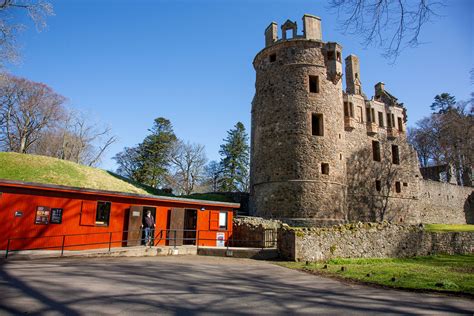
x: 370, y: 240
x: 254, y: 232
x: 445, y: 203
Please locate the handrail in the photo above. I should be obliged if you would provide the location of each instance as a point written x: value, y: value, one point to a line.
x: 228, y: 239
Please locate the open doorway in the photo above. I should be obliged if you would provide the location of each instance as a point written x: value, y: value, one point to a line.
x: 153, y: 233
x: 190, y: 224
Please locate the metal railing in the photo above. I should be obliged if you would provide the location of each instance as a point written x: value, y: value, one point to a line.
x: 171, y: 237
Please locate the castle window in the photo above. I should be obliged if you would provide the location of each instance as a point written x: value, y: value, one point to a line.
x: 313, y: 84
x: 398, y: 187
x: 376, y: 150
x: 331, y: 55
x: 389, y: 120
x: 273, y: 58
x: 405, y: 184
x: 338, y: 56
x: 400, y: 124
x: 357, y: 75
x: 381, y: 119
x: 378, y: 185
x: 395, y: 155
x: 317, y: 124
x: 372, y: 111
x: 325, y: 168
x: 340, y: 156
x: 393, y: 121
x: 346, y: 108
x: 367, y: 112
x: 361, y: 113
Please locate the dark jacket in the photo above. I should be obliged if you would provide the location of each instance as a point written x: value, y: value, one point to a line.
x: 149, y: 221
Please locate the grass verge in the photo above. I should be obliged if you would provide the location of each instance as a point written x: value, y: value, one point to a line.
x: 448, y: 228
x: 442, y: 273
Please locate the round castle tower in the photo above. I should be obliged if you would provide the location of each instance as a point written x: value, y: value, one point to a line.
x: 297, y: 142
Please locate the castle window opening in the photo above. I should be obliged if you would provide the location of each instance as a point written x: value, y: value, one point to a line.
x: 400, y: 124
x: 340, y: 156
x: 288, y: 34
x: 378, y: 185
x: 376, y: 150
x: 381, y: 119
x: 398, y: 187
x: 405, y: 184
x: 273, y: 58
x: 317, y: 128
x: 372, y: 111
x: 367, y: 110
x: 338, y: 56
x: 389, y: 120
x: 395, y: 155
x: 325, y: 168
x: 313, y: 84
x: 393, y: 121
x: 361, y: 113
x: 331, y: 55
x: 103, y: 213
x: 357, y: 75
x: 346, y: 108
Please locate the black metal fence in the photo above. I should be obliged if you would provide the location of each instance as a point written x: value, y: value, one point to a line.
x: 165, y: 237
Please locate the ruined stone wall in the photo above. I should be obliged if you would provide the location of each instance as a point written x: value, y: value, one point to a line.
x: 364, y: 202
x: 445, y: 203
x: 254, y: 232
x: 370, y: 240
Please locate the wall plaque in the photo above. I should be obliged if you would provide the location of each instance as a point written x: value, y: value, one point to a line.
x: 42, y: 215
x: 56, y: 216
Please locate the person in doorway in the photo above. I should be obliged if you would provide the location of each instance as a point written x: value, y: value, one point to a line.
x: 149, y: 225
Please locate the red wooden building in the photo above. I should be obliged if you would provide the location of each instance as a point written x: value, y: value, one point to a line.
x: 40, y: 216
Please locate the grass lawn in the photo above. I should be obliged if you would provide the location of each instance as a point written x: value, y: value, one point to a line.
x: 444, y: 273
x: 449, y: 228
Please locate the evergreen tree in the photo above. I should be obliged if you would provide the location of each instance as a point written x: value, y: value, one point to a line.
x: 148, y: 162
x: 235, y: 160
x: 443, y: 103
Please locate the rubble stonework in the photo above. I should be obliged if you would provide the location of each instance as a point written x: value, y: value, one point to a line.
x: 313, y: 145
x: 370, y: 240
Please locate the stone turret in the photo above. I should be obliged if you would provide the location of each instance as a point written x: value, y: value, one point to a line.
x: 298, y: 126
x: 353, y: 85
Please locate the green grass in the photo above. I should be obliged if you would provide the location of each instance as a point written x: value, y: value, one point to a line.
x: 452, y: 274
x: 449, y: 228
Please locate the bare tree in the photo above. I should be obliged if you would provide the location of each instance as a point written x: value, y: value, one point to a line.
x: 390, y: 24
x: 76, y: 138
x: 26, y: 110
x: 187, y: 166
x: 38, y: 11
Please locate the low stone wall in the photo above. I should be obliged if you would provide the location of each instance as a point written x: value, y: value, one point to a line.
x: 370, y: 240
x: 445, y: 203
x: 254, y: 232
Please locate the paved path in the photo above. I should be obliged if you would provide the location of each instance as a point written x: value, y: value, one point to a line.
x: 195, y: 285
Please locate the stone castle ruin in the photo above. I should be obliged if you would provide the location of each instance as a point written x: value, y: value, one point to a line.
x: 321, y: 155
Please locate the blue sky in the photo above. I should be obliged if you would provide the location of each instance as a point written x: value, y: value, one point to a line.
x: 128, y: 62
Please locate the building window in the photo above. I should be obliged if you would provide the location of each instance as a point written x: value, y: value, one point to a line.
x: 317, y: 124
x: 346, y: 109
x: 367, y: 110
x: 349, y: 109
x: 381, y: 119
x: 389, y: 120
x: 273, y: 58
x: 378, y: 185
x: 400, y: 124
x: 313, y: 84
x: 338, y: 56
x: 376, y: 150
x: 372, y: 111
x: 361, y: 113
x: 395, y: 155
x: 405, y: 184
x: 398, y: 187
x: 325, y: 168
x: 102, y: 216
x: 223, y: 220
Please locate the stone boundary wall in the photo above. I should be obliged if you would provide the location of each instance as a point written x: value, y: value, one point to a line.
x: 369, y: 240
x: 445, y: 203
x: 255, y: 232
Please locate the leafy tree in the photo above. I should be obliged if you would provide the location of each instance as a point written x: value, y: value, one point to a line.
x: 443, y: 103
x: 235, y: 160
